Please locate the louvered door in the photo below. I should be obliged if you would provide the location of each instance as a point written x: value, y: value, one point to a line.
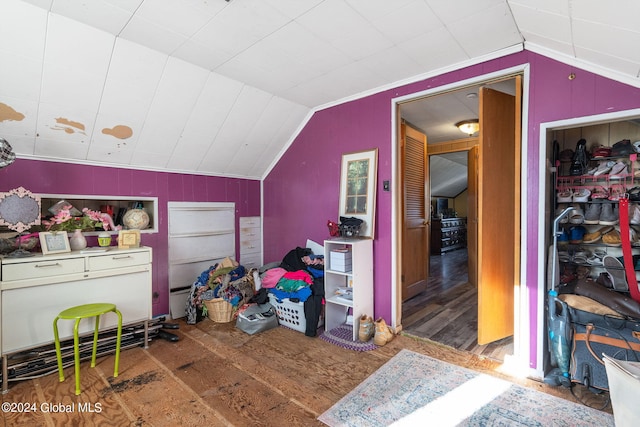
x: 415, y: 227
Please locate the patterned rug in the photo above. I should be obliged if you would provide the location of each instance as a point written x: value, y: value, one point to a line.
x: 343, y: 336
x: 414, y: 389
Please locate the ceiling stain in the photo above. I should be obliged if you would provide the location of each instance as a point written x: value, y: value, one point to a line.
x: 67, y: 122
x: 68, y: 126
x: 8, y: 113
x: 119, y: 131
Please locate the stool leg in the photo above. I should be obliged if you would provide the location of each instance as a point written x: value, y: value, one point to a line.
x: 58, y: 352
x: 95, y: 342
x: 76, y: 354
x: 118, y: 339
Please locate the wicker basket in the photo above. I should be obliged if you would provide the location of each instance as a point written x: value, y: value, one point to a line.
x: 219, y: 310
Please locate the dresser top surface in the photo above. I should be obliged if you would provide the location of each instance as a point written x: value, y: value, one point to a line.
x: 38, y: 257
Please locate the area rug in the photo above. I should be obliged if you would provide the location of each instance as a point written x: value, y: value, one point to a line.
x: 343, y: 336
x: 414, y: 389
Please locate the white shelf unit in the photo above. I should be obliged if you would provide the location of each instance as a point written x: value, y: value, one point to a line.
x: 360, y: 278
x: 201, y: 234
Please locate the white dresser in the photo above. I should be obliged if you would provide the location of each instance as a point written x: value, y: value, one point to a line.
x: 201, y: 234
x: 34, y: 290
x: 250, y: 242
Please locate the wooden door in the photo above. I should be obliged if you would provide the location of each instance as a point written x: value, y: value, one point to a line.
x: 497, y: 213
x: 415, y: 219
x: 472, y: 214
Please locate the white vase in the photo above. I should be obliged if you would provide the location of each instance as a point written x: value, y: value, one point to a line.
x: 77, y: 241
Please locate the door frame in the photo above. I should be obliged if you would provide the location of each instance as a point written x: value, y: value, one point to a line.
x: 519, y: 362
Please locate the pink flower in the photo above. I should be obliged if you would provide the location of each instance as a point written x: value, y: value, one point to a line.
x: 63, y: 216
x: 89, y: 220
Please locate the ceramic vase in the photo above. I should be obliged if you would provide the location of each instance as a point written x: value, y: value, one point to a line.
x: 77, y: 241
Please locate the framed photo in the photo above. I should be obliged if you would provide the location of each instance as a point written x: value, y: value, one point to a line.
x: 54, y: 242
x: 358, y: 176
x: 128, y: 239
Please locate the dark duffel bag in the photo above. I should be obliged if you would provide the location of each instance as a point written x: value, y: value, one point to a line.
x: 614, y: 337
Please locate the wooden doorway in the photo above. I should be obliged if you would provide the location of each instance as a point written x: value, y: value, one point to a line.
x: 492, y: 254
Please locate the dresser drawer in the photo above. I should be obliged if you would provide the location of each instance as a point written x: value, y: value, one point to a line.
x: 250, y: 233
x: 250, y: 246
x: 41, y: 268
x: 249, y: 222
x: 107, y: 262
x: 250, y: 261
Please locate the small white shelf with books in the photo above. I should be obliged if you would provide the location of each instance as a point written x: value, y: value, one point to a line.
x: 348, y: 281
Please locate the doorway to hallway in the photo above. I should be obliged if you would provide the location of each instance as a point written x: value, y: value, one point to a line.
x: 495, y: 196
x: 447, y: 312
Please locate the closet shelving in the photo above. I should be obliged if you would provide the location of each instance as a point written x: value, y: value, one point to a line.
x: 611, y: 189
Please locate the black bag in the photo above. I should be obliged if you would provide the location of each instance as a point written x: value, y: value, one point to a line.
x: 617, y: 338
x: 580, y: 161
x: 350, y: 227
x: 257, y: 318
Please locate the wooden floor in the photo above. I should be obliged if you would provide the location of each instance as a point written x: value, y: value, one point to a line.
x: 447, y: 312
x: 216, y: 375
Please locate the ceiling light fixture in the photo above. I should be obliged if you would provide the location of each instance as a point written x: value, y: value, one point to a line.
x: 468, y: 126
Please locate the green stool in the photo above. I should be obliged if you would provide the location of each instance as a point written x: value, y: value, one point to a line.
x: 83, y: 312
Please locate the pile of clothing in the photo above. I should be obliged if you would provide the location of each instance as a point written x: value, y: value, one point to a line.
x: 228, y: 280
x: 299, y: 277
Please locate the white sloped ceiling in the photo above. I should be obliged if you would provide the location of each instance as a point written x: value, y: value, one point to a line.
x: 221, y: 87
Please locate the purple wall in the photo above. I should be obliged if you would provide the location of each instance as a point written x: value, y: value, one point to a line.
x: 59, y: 178
x: 301, y: 192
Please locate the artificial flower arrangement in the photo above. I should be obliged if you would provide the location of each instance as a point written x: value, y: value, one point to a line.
x: 64, y: 221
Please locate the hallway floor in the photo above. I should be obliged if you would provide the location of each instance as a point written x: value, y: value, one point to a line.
x: 447, y: 312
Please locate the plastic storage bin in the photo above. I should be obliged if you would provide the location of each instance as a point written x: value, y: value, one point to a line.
x: 290, y: 314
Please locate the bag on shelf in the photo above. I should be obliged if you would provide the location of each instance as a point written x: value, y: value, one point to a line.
x: 580, y: 161
x: 622, y: 148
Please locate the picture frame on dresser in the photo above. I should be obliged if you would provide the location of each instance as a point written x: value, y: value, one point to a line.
x: 128, y: 239
x: 54, y: 242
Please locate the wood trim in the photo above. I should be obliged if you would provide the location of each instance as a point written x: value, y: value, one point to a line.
x: 517, y: 181
x: 398, y: 194
x: 451, y: 146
